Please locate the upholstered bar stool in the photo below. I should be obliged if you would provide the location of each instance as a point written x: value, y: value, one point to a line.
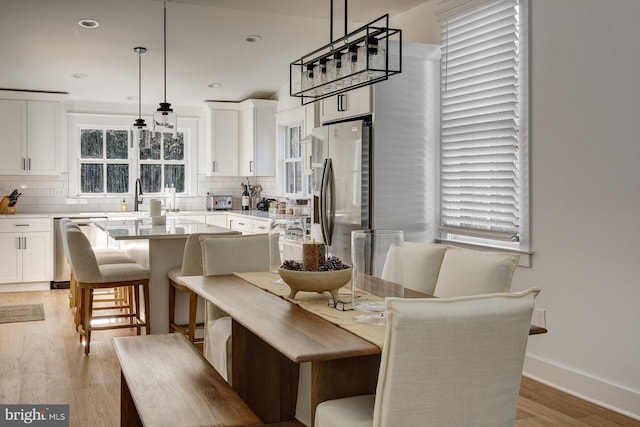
x: 91, y: 276
x: 104, y: 255
x: 191, y: 266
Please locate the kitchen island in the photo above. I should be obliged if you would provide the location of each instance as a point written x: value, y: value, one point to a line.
x: 158, y: 248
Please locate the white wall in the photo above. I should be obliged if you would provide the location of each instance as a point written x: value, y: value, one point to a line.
x: 585, y: 194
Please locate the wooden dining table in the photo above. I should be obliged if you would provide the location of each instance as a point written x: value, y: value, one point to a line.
x: 273, y: 336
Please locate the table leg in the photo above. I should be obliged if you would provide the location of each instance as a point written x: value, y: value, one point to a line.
x: 265, y: 379
x: 335, y: 379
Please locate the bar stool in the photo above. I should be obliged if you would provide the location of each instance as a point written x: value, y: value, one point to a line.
x: 91, y: 276
x: 104, y: 255
x: 191, y: 266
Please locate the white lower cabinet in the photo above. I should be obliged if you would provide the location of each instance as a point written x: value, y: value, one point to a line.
x: 26, y: 256
x: 247, y: 225
x: 219, y: 220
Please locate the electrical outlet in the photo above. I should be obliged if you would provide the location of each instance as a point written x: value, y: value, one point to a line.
x: 539, y: 318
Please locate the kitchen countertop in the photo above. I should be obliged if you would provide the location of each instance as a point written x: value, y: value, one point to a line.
x: 175, y: 228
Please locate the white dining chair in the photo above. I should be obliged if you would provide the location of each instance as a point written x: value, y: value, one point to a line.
x: 225, y: 255
x: 191, y: 266
x: 445, y: 362
x: 472, y: 272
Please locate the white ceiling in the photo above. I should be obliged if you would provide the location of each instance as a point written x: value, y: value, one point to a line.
x: 42, y: 46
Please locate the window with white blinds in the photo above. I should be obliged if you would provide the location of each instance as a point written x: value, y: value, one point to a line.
x: 483, y: 153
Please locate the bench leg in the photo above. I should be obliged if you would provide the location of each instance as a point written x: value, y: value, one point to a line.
x: 193, y: 310
x: 128, y: 413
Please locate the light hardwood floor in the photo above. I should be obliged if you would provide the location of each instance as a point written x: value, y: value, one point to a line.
x: 43, y: 363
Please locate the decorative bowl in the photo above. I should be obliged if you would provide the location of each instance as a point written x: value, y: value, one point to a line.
x: 315, y: 281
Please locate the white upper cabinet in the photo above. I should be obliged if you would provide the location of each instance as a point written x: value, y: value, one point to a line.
x: 346, y: 105
x: 222, y: 139
x: 258, y: 147
x: 30, y: 137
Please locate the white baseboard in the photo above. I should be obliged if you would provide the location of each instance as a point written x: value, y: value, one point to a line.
x: 611, y: 396
x: 25, y: 287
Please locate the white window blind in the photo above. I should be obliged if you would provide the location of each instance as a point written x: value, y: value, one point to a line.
x: 482, y: 113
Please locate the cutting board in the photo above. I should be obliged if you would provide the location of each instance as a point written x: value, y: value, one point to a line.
x: 4, y: 206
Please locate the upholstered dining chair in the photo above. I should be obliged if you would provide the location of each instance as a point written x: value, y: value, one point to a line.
x: 472, y: 272
x: 191, y: 266
x: 226, y: 255
x: 90, y: 276
x: 420, y: 266
x: 445, y: 362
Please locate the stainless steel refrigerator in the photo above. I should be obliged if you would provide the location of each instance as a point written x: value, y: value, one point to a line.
x: 340, y: 177
x: 381, y: 171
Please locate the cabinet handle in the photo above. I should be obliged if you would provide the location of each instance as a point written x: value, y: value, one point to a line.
x: 24, y: 246
x: 24, y: 164
x: 23, y: 225
x: 342, y: 104
x: 262, y: 227
x: 29, y: 163
x: 250, y: 165
x: 19, y: 242
x: 213, y: 166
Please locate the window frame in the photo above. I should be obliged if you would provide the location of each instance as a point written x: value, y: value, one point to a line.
x: 492, y: 240
x: 286, y: 160
x: 78, y: 121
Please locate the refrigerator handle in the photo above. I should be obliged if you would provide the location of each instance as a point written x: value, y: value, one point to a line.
x: 331, y: 201
x: 323, y: 202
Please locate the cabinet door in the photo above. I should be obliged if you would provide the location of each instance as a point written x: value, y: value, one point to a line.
x: 37, y: 257
x: 10, y: 257
x: 43, y: 135
x: 347, y: 105
x: 13, y: 138
x: 329, y: 110
x: 258, y: 151
x: 239, y: 223
x: 219, y: 220
x: 223, y: 159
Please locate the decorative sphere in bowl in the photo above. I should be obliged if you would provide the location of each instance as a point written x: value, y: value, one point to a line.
x: 315, y: 281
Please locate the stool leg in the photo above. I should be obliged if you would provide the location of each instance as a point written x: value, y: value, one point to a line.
x: 147, y: 312
x: 87, y: 313
x: 129, y: 301
x: 193, y: 310
x: 172, y: 306
x: 78, y: 317
x: 137, y: 304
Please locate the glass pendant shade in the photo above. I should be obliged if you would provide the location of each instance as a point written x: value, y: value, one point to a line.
x: 165, y: 120
x: 141, y: 133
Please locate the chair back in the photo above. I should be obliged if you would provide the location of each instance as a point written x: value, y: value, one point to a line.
x: 470, y: 272
x: 81, y: 256
x: 453, y: 361
x: 226, y: 254
x: 420, y: 266
x: 192, y: 255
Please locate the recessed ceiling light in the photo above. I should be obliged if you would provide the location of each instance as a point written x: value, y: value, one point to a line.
x: 214, y: 85
x: 79, y: 75
x: 253, y: 38
x: 88, y: 23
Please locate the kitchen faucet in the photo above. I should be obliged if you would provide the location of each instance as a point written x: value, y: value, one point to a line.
x: 138, y: 199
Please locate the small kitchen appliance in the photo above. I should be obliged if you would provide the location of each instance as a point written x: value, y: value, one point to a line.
x: 216, y: 203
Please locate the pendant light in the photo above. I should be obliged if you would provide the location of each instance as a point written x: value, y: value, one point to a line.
x: 140, y: 130
x: 365, y: 56
x: 164, y: 119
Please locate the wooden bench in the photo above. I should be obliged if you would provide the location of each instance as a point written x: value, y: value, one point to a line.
x: 165, y: 381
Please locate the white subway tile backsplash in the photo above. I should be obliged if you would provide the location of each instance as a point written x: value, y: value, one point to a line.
x: 47, y: 194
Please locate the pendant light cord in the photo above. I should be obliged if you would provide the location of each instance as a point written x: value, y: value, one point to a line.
x: 331, y: 20
x: 139, y: 84
x: 165, y: 51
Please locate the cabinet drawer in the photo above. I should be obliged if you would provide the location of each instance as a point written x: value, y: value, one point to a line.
x: 25, y: 225
x: 259, y: 226
x: 240, y: 224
